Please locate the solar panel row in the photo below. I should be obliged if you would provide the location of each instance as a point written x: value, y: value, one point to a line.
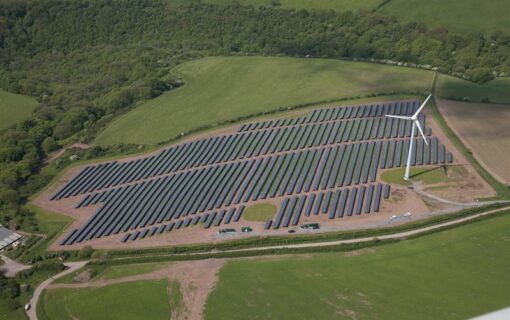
x: 336, y: 203
x: 332, y: 114
x: 221, y: 149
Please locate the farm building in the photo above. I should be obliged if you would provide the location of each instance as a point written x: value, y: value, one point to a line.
x: 8, y: 238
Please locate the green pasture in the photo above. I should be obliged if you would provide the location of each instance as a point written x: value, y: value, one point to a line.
x: 14, y: 108
x: 454, y: 274
x: 218, y: 89
x: 458, y: 16
x: 497, y: 90
x: 130, y: 300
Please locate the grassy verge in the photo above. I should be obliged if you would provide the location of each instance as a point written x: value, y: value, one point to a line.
x: 428, y: 175
x: 502, y: 190
x: 105, y: 272
x: 168, y: 254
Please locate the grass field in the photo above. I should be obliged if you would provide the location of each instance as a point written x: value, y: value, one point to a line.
x: 14, y: 108
x: 224, y: 88
x: 260, y: 212
x: 458, y: 16
x: 8, y: 314
x: 433, y: 175
x: 337, y: 5
x: 484, y: 128
x: 131, y: 300
x: 497, y: 90
x: 454, y: 274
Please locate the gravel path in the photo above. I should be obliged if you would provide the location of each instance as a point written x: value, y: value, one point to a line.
x: 71, y: 267
x: 12, y: 267
x: 417, y: 187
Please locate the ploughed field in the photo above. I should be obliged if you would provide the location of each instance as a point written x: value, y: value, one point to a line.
x: 322, y: 164
x: 484, y: 128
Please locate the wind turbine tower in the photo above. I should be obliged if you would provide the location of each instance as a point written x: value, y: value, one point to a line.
x: 415, y: 123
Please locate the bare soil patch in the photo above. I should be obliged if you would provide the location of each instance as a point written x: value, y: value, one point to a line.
x: 196, y: 278
x: 485, y: 130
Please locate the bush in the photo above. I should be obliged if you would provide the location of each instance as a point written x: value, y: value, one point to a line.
x: 49, y: 144
x: 13, y: 304
x: 85, y: 252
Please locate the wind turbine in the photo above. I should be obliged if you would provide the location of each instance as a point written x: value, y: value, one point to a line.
x: 416, y: 123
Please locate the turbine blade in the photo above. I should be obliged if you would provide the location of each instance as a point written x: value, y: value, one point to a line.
x: 417, y: 123
x: 423, y: 105
x: 398, y: 117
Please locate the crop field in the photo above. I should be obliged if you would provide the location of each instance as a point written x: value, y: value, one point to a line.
x: 218, y: 89
x: 454, y: 274
x: 485, y: 129
x: 14, y: 108
x: 457, y: 16
x: 496, y: 91
x: 130, y: 300
x: 324, y: 163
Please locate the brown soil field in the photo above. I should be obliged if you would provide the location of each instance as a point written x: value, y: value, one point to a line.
x: 485, y: 129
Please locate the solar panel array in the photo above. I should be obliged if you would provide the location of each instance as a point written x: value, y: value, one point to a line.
x: 330, y: 156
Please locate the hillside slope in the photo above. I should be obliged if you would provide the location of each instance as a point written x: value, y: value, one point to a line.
x: 224, y: 88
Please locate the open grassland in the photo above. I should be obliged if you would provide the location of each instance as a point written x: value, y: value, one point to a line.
x: 429, y: 175
x: 218, y: 89
x: 260, y: 212
x: 455, y: 274
x: 337, y: 5
x: 130, y: 300
x: 497, y: 90
x: 484, y: 128
x: 458, y: 16
x: 14, y: 108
